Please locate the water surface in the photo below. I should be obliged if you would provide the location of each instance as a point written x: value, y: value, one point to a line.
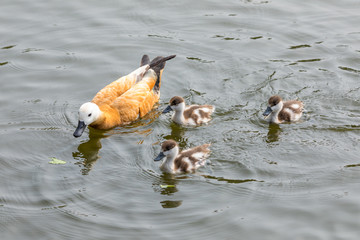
x: 264, y: 181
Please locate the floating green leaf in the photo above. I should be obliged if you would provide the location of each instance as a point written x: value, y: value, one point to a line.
x: 166, y: 186
x: 56, y: 161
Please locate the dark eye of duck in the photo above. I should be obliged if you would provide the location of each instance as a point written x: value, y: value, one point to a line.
x: 274, y: 103
x: 89, y: 115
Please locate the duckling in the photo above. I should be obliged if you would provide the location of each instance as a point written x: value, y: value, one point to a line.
x: 126, y: 99
x: 189, y: 115
x: 187, y: 161
x: 279, y: 111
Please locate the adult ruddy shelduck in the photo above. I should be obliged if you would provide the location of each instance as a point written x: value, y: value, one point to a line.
x: 279, y: 111
x: 125, y: 99
x: 189, y: 115
x: 187, y: 161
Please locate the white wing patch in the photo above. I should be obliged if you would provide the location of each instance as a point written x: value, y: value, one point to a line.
x: 295, y: 106
x: 293, y: 116
x: 198, y: 155
x: 190, y: 121
x: 201, y: 157
x: 199, y: 119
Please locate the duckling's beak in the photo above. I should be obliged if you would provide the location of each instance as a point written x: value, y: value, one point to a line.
x: 267, y: 112
x: 80, y: 129
x: 160, y: 156
x: 167, y: 109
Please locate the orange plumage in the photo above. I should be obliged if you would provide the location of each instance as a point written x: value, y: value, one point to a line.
x: 126, y: 99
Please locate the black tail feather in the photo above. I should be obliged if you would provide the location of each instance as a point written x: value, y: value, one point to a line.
x: 160, y: 61
x: 145, y: 60
x: 158, y: 64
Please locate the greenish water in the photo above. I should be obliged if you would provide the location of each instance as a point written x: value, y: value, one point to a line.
x: 265, y: 181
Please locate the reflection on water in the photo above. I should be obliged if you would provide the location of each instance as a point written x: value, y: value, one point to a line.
x: 88, y: 152
x: 177, y: 134
x: 167, y: 185
x: 221, y: 179
x: 273, y: 133
x: 170, y: 204
x: 353, y: 165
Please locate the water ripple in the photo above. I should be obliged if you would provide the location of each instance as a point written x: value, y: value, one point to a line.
x: 36, y: 59
x: 234, y: 55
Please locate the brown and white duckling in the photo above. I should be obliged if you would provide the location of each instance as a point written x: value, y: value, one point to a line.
x: 279, y: 111
x: 189, y: 115
x: 187, y: 161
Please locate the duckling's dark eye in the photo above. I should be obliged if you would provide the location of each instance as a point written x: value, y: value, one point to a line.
x: 89, y: 115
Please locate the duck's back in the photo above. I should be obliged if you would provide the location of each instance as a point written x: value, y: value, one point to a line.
x: 139, y: 99
x: 131, y: 96
x: 191, y: 159
x: 198, y: 114
x: 292, y: 111
x: 112, y: 91
x: 295, y: 106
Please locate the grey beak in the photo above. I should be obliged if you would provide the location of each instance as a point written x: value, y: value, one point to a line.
x: 159, y: 157
x: 80, y: 129
x: 167, y: 109
x: 267, y: 111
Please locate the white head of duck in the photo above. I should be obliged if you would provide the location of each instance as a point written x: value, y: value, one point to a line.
x: 126, y: 99
x: 189, y: 115
x: 279, y: 111
x: 187, y: 161
x: 88, y: 113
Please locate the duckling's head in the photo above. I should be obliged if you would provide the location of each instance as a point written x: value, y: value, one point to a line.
x: 176, y: 103
x: 88, y: 113
x: 168, y: 148
x: 275, y: 104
